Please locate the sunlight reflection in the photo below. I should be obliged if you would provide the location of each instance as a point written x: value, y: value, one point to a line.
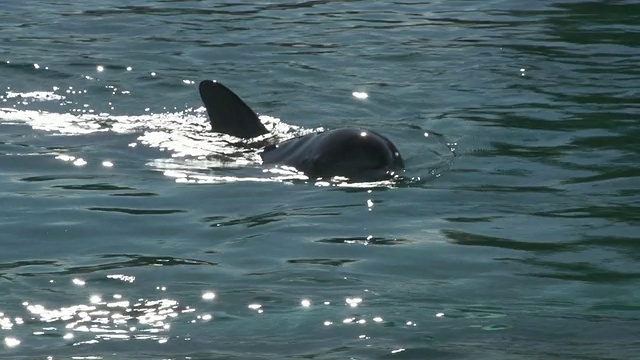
x: 35, y: 95
x: 79, y: 162
x: 122, y: 277
x: 305, y: 303
x: 360, y: 95
x: 5, y: 322
x: 256, y: 307
x: 209, y: 295
x: 348, y: 320
x: 105, y: 320
x: 369, y: 204
x: 122, y: 304
x: 78, y: 282
x: 11, y: 341
x: 195, y: 178
x: 353, y: 302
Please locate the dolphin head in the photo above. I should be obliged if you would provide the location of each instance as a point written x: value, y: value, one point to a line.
x: 357, y: 154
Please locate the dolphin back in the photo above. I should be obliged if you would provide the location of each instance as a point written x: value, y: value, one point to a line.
x: 228, y: 114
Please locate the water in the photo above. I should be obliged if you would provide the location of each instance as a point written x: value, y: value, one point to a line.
x: 130, y: 231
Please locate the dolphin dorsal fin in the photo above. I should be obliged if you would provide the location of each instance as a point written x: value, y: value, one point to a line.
x: 228, y: 114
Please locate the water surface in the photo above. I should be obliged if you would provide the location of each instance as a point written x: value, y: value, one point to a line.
x: 130, y: 231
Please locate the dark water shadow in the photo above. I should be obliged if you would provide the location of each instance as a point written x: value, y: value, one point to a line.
x: 464, y: 238
x: 275, y: 216
x: 615, y: 213
x: 511, y: 189
x: 475, y: 219
x: 576, y: 271
x: 135, y: 194
x: 331, y: 262
x: 94, y: 187
x: 138, y: 211
x: 605, y: 173
x: 58, y: 177
x: 625, y: 246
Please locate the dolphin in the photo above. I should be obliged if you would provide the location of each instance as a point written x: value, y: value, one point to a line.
x: 354, y: 153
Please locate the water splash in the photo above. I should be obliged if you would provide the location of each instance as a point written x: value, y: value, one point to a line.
x: 196, y: 155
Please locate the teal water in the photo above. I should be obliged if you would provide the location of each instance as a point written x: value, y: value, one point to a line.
x: 128, y: 231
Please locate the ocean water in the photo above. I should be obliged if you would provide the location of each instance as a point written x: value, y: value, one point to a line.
x: 129, y: 231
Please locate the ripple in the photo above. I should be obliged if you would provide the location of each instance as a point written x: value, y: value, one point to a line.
x: 42, y: 178
x: 578, y: 271
x: 132, y: 262
x: 93, y: 187
x: 331, y: 262
x: 129, y: 211
x: 28, y: 263
x: 365, y: 240
x: 614, y: 212
x: 135, y: 194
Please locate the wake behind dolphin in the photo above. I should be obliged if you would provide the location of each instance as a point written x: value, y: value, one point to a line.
x: 358, y: 154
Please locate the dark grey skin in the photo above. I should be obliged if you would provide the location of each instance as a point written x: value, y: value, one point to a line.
x: 355, y: 153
